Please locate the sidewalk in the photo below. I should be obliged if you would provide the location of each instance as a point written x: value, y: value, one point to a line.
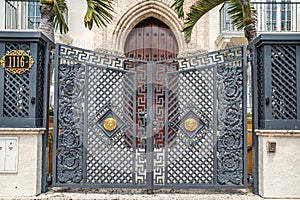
x: 131, y: 194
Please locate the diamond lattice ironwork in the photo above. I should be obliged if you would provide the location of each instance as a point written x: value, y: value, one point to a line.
x: 16, y: 88
x: 260, y: 86
x: 191, y: 160
x: 284, y: 82
x: 151, y: 104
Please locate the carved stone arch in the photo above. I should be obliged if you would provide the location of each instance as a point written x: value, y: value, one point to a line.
x: 142, y: 11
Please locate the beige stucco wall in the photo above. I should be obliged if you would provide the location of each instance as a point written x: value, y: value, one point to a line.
x: 279, y: 172
x: 27, y: 180
x: 80, y: 35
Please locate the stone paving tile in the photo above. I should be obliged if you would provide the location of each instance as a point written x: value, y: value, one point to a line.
x: 131, y: 194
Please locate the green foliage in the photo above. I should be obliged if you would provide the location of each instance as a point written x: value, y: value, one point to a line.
x: 197, y: 10
x: 201, y: 7
x: 61, y: 9
x: 235, y: 10
x: 178, y: 7
x: 51, y: 111
x: 249, y: 114
x: 98, y: 11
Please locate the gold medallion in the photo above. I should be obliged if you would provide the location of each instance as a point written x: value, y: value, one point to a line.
x: 110, y: 124
x: 190, y: 124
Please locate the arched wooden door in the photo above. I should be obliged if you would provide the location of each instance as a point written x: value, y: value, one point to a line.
x: 151, y: 40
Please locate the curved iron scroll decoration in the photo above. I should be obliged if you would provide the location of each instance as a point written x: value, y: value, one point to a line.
x: 230, y: 125
x: 70, y: 138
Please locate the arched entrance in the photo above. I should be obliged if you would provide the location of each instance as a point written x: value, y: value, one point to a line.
x: 151, y: 40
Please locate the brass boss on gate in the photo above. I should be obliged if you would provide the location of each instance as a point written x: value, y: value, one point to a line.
x: 17, y: 62
x: 190, y: 124
x: 110, y: 124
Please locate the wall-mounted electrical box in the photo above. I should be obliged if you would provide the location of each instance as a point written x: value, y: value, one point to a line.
x: 8, y: 154
x: 271, y: 147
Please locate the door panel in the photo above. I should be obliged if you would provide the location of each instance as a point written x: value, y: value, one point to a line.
x: 151, y: 40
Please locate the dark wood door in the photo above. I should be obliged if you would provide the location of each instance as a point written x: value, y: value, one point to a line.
x: 151, y: 40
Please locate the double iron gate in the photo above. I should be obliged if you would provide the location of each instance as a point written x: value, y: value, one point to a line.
x: 177, y: 123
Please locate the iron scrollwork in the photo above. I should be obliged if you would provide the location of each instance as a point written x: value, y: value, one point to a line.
x: 188, y: 143
x: 70, y: 141
x: 230, y: 124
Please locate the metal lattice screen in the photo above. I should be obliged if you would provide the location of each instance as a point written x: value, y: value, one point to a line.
x: 193, y: 93
x: 42, y: 67
x: 276, y: 84
x: 284, y: 82
x: 260, y: 86
x: 24, y: 96
x: 16, y: 88
x: 127, y: 123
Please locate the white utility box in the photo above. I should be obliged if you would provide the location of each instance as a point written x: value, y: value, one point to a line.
x: 8, y: 154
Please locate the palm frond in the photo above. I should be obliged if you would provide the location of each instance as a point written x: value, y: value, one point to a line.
x: 60, y: 9
x: 98, y: 11
x: 178, y: 7
x: 48, y: 2
x: 197, y: 10
x: 235, y: 10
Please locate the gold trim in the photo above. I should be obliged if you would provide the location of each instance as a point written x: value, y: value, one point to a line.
x: 110, y: 124
x: 17, y: 70
x: 190, y: 124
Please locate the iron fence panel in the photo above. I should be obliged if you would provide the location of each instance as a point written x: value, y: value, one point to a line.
x: 129, y: 123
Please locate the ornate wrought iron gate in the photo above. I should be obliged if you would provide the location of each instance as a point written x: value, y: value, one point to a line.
x: 129, y: 123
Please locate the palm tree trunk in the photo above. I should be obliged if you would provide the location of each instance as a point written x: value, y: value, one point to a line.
x: 47, y: 24
x: 250, y: 32
x: 249, y: 21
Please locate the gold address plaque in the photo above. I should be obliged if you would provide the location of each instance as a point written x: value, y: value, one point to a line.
x: 17, y: 62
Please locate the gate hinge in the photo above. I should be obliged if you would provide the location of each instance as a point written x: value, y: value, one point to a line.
x: 249, y: 58
x: 52, y: 56
x: 49, y: 179
x: 251, y: 179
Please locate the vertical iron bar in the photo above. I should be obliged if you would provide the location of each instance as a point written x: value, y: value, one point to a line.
x: 166, y: 146
x: 244, y: 105
x: 215, y: 124
x: 134, y: 171
x: 2, y: 83
x: 33, y: 76
x: 298, y: 80
x: 85, y: 123
x: 149, y: 134
x: 267, y: 63
x: 255, y: 118
x: 56, y: 105
x: 45, y: 150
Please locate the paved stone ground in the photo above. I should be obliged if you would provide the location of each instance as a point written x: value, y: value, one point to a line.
x: 139, y: 194
x: 130, y: 194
